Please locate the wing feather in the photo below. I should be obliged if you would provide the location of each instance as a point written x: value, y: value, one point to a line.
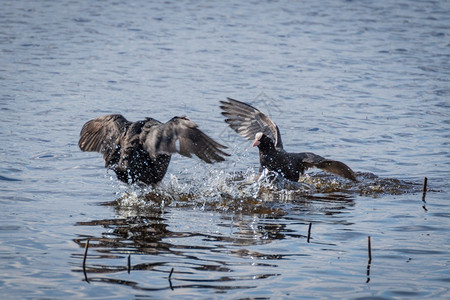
x: 101, y: 134
x: 181, y: 135
x: 247, y: 121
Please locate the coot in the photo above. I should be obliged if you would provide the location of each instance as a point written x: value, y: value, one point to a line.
x: 141, y: 151
x: 252, y: 124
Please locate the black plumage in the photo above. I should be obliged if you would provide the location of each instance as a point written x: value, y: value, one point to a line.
x: 141, y: 151
x: 252, y: 124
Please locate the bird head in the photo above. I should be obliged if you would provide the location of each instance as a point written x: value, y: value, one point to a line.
x: 263, y: 142
x: 258, y: 137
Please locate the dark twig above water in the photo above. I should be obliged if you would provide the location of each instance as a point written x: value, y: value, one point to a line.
x: 86, y: 247
x: 170, y: 279
x: 369, y: 262
x: 129, y: 263
x: 424, y: 193
x: 309, y: 232
x: 424, y: 188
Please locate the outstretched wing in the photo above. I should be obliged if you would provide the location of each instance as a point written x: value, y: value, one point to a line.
x: 248, y: 121
x: 180, y: 135
x: 100, y: 134
x: 311, y: 160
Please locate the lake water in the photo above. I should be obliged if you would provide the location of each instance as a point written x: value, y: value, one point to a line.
x: 363, y: 82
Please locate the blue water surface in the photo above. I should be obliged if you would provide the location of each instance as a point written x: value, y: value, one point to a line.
x: 363, y: 82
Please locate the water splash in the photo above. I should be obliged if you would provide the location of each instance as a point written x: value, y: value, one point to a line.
x: 248, y: 192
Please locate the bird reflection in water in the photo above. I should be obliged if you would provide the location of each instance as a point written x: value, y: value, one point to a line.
x: 148, y: 235
x: 206, y: 239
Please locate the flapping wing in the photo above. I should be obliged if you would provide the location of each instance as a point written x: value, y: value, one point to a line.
x: 248, y: 121
x: 181, y: 135
x: 100, y: 134
x: 333, y: 166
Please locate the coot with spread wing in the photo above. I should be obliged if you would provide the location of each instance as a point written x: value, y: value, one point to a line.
x: 252, y: 124
x: 141, y: 151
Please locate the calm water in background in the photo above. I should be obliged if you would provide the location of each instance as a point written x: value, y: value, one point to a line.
x: 364, y: 82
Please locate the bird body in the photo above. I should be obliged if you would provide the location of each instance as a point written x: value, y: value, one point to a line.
x: 141, y: 151
x: 253, y: 124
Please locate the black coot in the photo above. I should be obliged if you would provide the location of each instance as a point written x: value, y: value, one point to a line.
x: 252, y: 124
x: 141, y: 151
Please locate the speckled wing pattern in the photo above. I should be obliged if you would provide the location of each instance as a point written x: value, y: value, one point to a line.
x: 101, y: 134
x: 247, y: 121
x: 181, y: 135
